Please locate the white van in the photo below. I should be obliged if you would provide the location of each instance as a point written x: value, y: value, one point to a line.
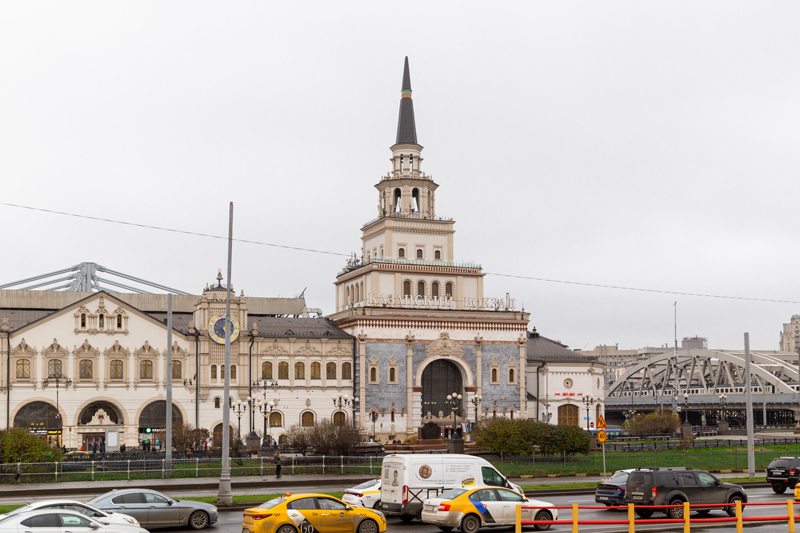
x: 409, y: 479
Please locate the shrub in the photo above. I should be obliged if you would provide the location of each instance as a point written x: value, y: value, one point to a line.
x: 17, y: 445
x: 653, y: 423
x: 518, y: 437
x: 325, y: 438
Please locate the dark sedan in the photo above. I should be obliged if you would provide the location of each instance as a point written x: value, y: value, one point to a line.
x: 154, y: 510
x: 612, y: 491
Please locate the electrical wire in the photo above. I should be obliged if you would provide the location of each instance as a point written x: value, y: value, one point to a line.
x: 312, y: 250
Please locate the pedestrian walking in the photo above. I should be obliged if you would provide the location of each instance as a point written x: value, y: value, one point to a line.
x: 94, y: 447
x: 277, y: 458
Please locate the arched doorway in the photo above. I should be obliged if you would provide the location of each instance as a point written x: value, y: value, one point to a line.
x: 92, y: 422
x: 216, y: 436
x: 568, y: 415
x: 153, y: 422
x: 42, y: 420
x: 439, y: 379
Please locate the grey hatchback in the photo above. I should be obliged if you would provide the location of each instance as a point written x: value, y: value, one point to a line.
x: 154, y: 510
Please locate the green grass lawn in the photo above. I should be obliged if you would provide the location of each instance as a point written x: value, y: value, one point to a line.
x: 8, y: 508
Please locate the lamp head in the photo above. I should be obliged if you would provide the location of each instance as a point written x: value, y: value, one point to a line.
x: 271, y: 403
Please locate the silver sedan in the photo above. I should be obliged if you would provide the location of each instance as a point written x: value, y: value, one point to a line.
x: 60, y: 521
x: 154, y: 510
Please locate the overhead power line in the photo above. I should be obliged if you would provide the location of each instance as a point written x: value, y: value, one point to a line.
x: 301, y: 249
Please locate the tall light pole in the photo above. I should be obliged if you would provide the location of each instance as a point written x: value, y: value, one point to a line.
x: 547, y: 416
x: 224, y: 495
x: 723, y: 400
x: 476, y: 402
x: 266, y: 409
x: 587, y: 401
x: 374, y: 417
x: 454, y: 399
x: 239, y: 408
x: 266, y: 384
x: 342, y: 401
x: 58, y: 379
x: 686, y: 401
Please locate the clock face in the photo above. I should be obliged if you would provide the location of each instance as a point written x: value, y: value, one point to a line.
x: 216, y: 328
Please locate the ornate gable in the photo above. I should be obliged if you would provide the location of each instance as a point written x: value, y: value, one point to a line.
x: 275, y: 349
x: 444, y: 346
x: 86, y: 349
x: 146, y: 351
x: 307, y: 350
x: 55, y: 349
x: 339, y: 350
x: 23, y: 349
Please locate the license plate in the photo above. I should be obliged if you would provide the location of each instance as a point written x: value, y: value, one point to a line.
x: 602, y: 497
x: 430, y: 507
x: 638, y: 497
x: 778, y: 472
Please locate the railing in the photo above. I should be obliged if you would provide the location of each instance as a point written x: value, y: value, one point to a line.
x: 697, y: 444
x: 413, y: 216
x: 686, y: 520
x: 418, y: 262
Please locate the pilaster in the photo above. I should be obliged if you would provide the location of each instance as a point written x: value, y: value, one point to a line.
x: 409, y: 382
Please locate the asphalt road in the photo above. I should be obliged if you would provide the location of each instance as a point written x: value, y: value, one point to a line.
x: 232, y: 522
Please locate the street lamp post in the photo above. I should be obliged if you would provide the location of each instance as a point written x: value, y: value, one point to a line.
x: 266, y: 384
x: 454, y: 399
x: 547, y: 415
x: 587, y: 401
x: 58, y: 379
x: 342, y: 401
x: 686, y: 401
x: 723, y: 400
x: 266, y: 409
x: 239, y: 408
x: 374, y: 417
x: 476, y: 402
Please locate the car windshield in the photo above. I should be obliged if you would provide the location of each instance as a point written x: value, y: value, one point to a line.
x: 272, y: 503
x: 367, y: 485
x: 619, y: 477
x: 452, y: 493
x: 780, y: 463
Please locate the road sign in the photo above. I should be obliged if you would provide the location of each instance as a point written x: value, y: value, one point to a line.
x: 601, y: 437
x: 601, y: 423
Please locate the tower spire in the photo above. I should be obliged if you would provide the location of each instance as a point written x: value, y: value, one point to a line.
x: 406, y: 127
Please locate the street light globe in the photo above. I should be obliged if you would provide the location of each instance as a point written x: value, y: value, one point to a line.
x: 346, y: 397
x: 335, y: 397
x: 459, y: 396
x: 449, y: 397
x: 271, y: 403
x: 340, y: 395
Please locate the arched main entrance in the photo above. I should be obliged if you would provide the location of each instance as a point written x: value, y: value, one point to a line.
x: 153, y: 421
x: 42, y: 420
x: 92, y: 422
x: 439, y: 379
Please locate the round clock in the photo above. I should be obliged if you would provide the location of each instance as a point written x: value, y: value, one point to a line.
x: 216, y: 328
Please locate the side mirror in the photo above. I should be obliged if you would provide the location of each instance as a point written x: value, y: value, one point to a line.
x: 170, y: 502
x: 94, y: 526
x: 717, y: 482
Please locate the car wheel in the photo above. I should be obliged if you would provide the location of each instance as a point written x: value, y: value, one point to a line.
x: 676, y: 513
x: 377, y: 505
x: 732, y: 509
x: 470, y: 524
x: 779, y: 489
x: 286, y: 529
x: 368, y: 526
x: 543, y: 515
x: 644, y: 513
x: 198, y: 520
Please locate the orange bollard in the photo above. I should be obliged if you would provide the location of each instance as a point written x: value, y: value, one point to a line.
x: 738, y: 516
x: 686, y: 523
x: 574, y: 518
x: 518, y: 520
x: 790, y: 505
x: 631, y: 519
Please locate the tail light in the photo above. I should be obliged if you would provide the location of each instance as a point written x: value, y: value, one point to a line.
x: 655, y: 492
x: 405, y: 494
x: 260, y: 516
x: 356, y: 494
x: 792, y: 471
x: 444, y: 506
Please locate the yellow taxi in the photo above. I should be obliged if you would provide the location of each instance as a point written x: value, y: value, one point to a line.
x: 311, y: 513
x: 797, y: 492
x: 472, y: 509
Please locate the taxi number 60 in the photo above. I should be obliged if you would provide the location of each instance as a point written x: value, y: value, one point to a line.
x: 307, y: 528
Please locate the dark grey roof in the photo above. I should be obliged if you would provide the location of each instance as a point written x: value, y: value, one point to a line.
x: 406, y: 126
x: 284, y: 327
x: 549, y: 351
x: 19, y: 318
x: 180, y: 321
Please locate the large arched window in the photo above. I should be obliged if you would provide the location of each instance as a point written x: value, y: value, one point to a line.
x: 266, y: 370
x: 448, y: 289
x: 37, y: 416
x: 339, y: 418
x: 92, y: 409
x: 23, y: 369
x: 233, y: 372
x: 145, y: 370
x: 54, y: 367
x: 330, y: 371
x: 421, y: 288
x: 347, y: 371
x: 568, y: 415
x: 177, y: 370
x: 85, y: 370
x: 283, y: 370
x: 435, y: 289
x: 439, y: 379
x: 299, y: 371
x: 307, y: 419
x: 116, y: 369
x: 275, y: 420
x: 316, y: 371
x: 406, y: 288
x: 155, y: 416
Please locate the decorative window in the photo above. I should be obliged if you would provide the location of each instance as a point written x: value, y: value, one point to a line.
x: 233, y: 372
x: 511, y: 379
x: 339, y: 418
x: 275, y: 420
x: 283, y: 370
x: 511, y: 414
x: 373, y: 370
x: 437, y: 255
x: 221, y: 371
x: 392, y: 413
x: 119, y: 321
x: 116, y: 369
x: 24, y: 369
x: 213, y: 371
x: 448, y: 289
x: 494, y: 375
x: 347, y: 371
x: 101, y: 321
x: 177, y: 371
x: 299, y: 371
x: 266, y: 370
x: 85, y: 370
x: 401, y: 253
x: 316, y: 371
x: 512, y: 372
x: 146, y: 370
x: 216, y: 402
x: 307, y: 419
x: 406, y: 288
x: 330, y: 371
x: 435, y: 289
x: 54, y: 368
x: 83, y: 320
x: 598, y: 383
x: 421, y: 288
x: 392, y: 375
x: 419, y: 253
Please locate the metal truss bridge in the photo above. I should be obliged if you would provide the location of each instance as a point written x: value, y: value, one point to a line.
x: 85, y: 278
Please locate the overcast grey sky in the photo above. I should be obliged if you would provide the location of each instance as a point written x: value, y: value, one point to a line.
x: 644, y: 144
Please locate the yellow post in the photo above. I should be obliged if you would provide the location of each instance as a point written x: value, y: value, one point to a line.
x: 790, y: 505
x: 631, y: 519
x: 738, y: 516
x: 686, y: 524
x: 574, y: 518
x: 518, y: 520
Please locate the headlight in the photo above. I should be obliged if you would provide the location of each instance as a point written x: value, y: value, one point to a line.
x: 132, y: 521
x: 213, y: 509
